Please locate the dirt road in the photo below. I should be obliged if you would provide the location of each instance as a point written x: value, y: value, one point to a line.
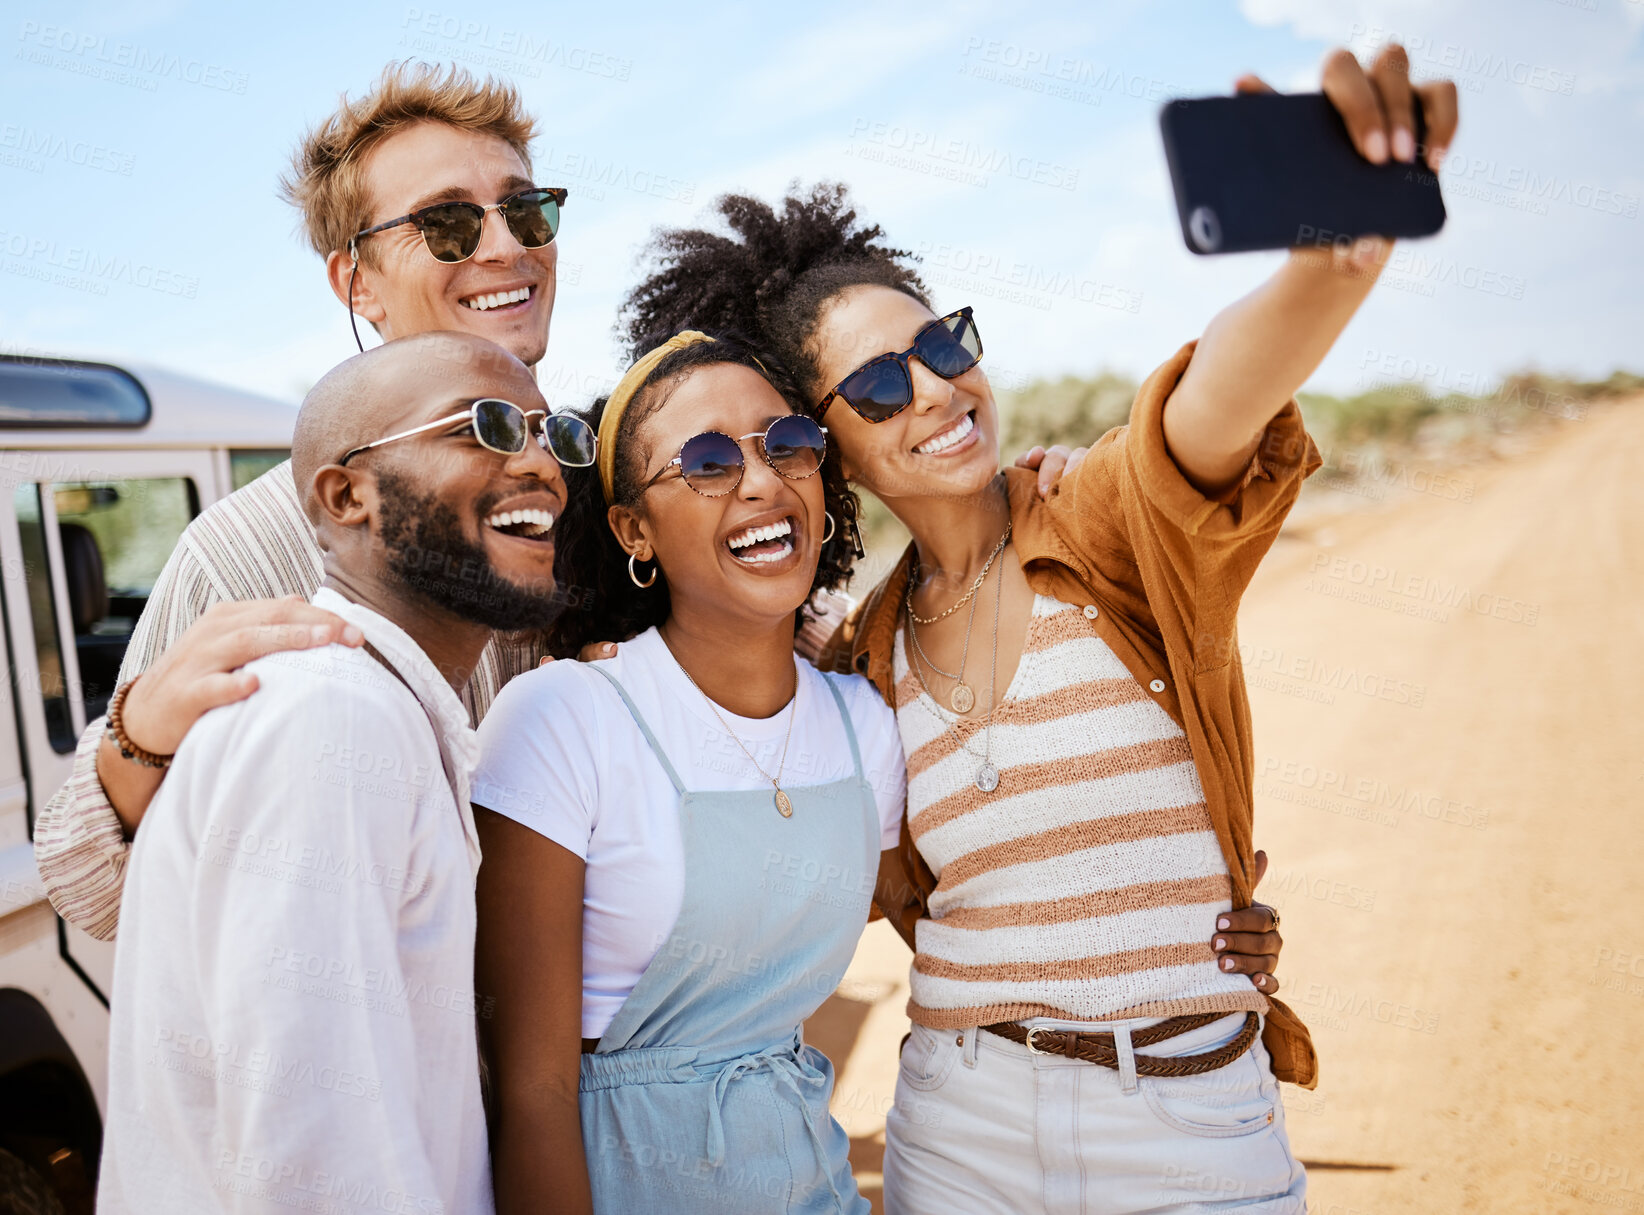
x: 1449, y: 703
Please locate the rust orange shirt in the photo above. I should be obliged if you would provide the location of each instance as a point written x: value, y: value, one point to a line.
x: 1159, y: 569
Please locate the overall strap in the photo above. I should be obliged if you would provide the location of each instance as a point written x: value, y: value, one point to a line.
x: 656, y: 747
x: 850, y: 730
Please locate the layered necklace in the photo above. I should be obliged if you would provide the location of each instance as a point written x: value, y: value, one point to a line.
x: 987, y: 776
x: 963, y: 696
x: 784, y: 806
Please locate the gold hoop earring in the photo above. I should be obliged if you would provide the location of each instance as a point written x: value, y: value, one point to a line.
x: 633, y: 574
x: 828, y: 535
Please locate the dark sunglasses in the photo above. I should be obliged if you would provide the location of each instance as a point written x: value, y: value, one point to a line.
x: 452, y: 230
x: 882, y: 387
x: 504, y: 427
x: 711, y: 463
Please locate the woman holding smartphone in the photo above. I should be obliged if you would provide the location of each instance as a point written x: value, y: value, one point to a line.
x: 1066, y: 682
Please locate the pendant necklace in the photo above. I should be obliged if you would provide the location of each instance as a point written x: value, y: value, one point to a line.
x: 784, y: 806
x: 962, y: 697
x: 987, y: 776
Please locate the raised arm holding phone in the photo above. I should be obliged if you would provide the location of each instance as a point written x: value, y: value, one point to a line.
x: 1065, y: 680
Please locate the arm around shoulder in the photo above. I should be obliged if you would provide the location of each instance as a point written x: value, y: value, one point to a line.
x: 80, y: 846
x: 80, y: 837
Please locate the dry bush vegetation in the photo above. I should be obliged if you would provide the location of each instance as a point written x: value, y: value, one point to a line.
x: 1370, y: 441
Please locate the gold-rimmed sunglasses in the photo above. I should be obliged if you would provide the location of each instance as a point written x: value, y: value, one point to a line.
x: 712, y: 463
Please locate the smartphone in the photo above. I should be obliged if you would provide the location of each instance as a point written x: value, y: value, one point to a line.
x: 1278, y: 171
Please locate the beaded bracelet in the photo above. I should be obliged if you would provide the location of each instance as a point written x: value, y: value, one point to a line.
x: 116, y: 733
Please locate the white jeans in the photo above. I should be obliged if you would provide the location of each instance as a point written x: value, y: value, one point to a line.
x: 982, y: 1125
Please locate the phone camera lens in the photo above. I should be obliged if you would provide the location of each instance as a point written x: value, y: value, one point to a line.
x: 1205, y: 229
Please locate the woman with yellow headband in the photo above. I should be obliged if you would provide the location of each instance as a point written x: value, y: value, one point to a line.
x: 681, y: 841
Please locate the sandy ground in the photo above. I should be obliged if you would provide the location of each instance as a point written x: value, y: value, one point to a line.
x: 1448, y: 689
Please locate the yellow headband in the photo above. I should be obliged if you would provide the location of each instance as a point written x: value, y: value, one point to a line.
x: 611, y: 421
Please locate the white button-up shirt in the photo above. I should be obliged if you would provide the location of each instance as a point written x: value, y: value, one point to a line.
x: 293, y: 1009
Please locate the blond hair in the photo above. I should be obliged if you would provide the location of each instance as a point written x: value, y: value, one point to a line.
x: 326, y: 180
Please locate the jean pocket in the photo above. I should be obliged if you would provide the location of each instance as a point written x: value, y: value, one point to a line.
x: 1228, y: 1102
x: 927, y: 1058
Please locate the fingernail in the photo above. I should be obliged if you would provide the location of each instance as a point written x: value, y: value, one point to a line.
x: 352, y: 634
x: 1404, y: 144
x: 1435, y: 158
x: 1375, y: 147
x: 320, y: 633
x: 1368, y: 250
x: 1221, y: 943
x: 1224, y: 923
x: 610, y: 647
x: 1227, y: 963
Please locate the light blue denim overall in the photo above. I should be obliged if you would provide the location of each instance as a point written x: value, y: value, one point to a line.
x: 702, y: 1096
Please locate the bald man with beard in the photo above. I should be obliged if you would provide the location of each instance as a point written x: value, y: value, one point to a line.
x: 293, y: 1015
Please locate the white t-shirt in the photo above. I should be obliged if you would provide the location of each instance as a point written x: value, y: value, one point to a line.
x: 560, y: 754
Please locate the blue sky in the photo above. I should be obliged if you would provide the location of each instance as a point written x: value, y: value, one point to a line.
x: 143, y: 139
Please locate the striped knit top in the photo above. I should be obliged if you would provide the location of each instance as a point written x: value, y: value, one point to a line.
x: 1086, y: 885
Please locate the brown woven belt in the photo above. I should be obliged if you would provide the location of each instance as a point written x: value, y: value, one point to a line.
x: 1100, y: 1048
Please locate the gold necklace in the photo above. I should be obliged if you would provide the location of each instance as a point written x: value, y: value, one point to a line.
x: 784, y: 806
x: 962, y: 697
x: 974, y: 587
x: 987, y: 776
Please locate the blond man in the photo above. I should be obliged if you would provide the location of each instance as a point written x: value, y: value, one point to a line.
x: 237, y: 585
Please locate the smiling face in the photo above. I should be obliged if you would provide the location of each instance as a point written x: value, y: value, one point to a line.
x: 504, y: 293
x: 943, y: 445
x: 463, y: 526
x: 747, y: 555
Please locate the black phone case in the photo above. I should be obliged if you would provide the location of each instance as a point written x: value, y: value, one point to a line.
x: 1278, y: 171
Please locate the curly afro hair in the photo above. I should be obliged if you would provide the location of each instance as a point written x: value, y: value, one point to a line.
x: 591, y: 568
x: 771, y: 278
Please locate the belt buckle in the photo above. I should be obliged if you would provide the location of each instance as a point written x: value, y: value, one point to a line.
x: 1038, y: 1029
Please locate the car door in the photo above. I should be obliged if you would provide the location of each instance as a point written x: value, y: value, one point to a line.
x: 83, y: 538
